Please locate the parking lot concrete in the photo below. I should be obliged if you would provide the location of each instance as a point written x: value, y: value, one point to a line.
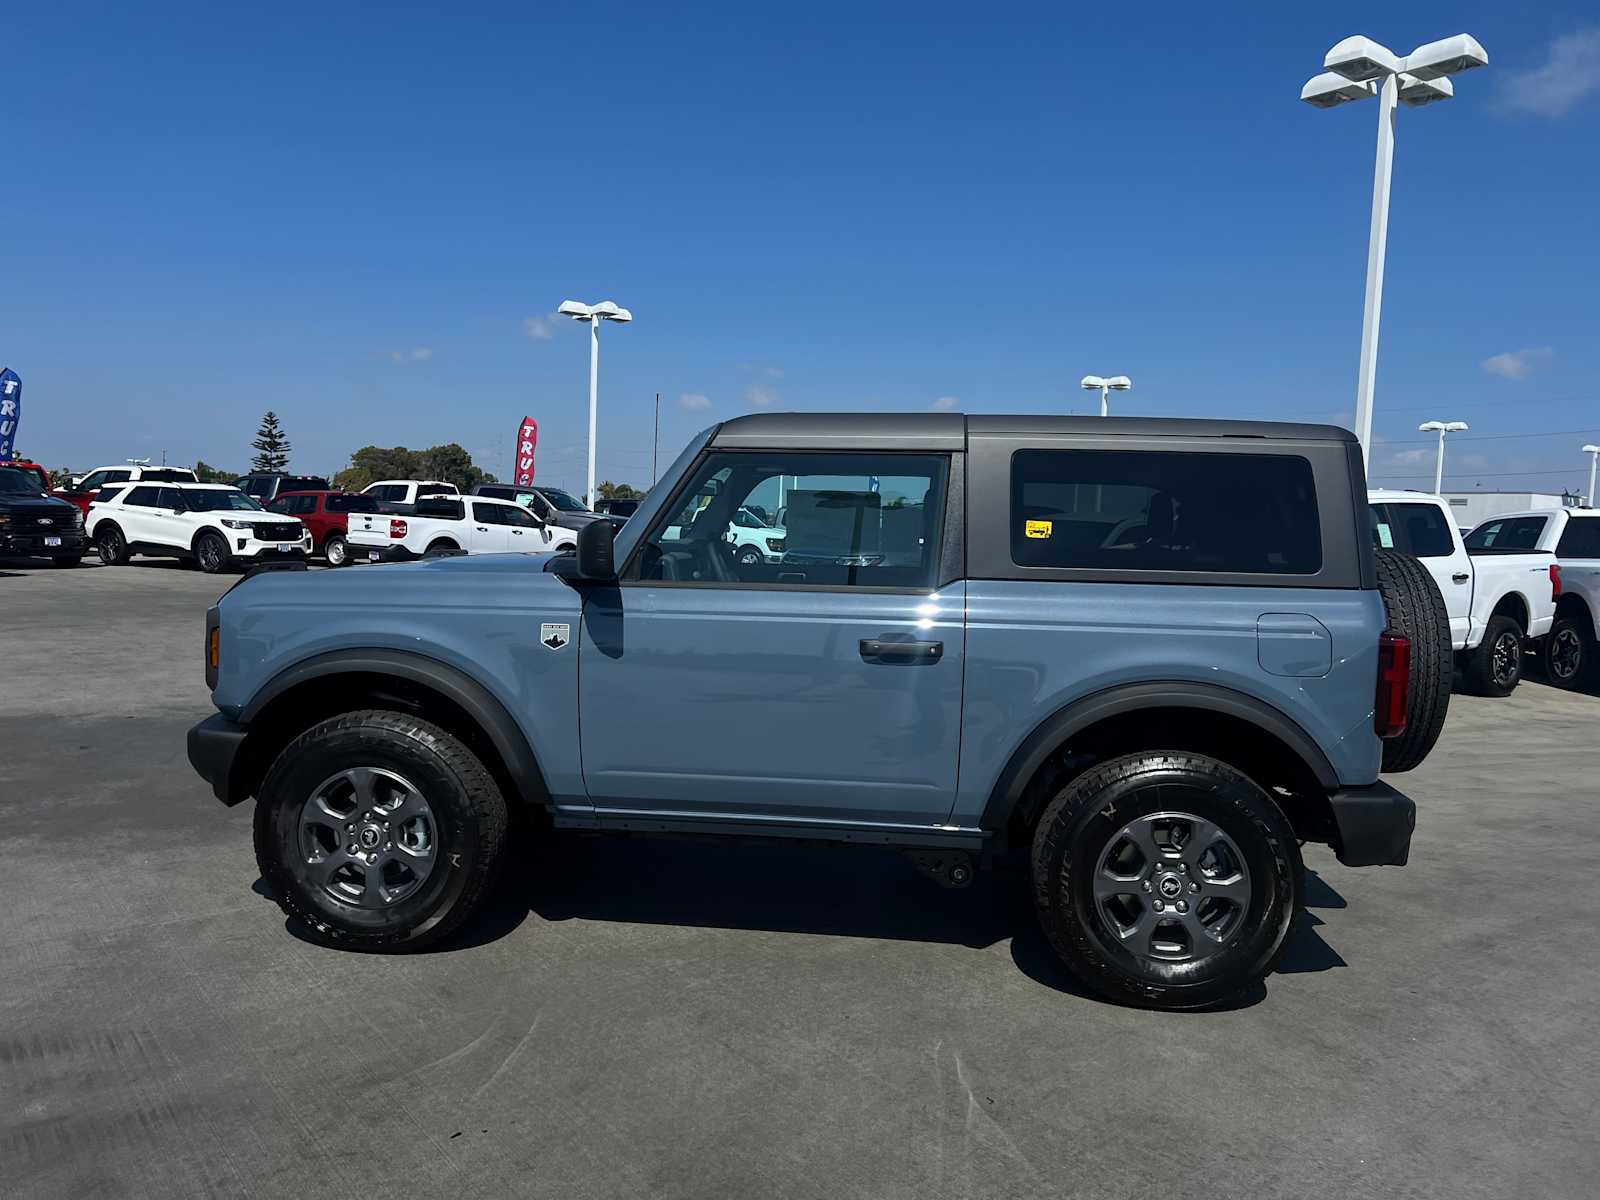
x: 670, y: 1019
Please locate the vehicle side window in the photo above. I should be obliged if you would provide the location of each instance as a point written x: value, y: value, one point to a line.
x: 487, y: 514
x: 1580, y: 539
x: 117, y: 477
x: 303, y: 506
x: 93, y: 481
x: 351, y: 504
x: 107, y: 494
x: 278, y: 506
x: 1382, y: 525
x: 857, y: 519
x: 1162, y: 511
x: 143, y: 497
x: 1507, y: 533
x: 169, y: 497
x: 520, y: 517
x: 1427, y: 532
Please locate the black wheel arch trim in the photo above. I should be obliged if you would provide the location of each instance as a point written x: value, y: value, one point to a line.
x: 1036, y: 749
x: 454, y: 684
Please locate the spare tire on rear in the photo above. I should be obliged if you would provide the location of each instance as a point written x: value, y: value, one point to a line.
x: 1416, y: 610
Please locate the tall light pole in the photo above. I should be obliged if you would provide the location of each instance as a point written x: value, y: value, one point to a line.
x: 1594, y: 456
x: 1353, y: 70
x: 1441, y: 428
x: 1116, y: 383
x: 594, y: 314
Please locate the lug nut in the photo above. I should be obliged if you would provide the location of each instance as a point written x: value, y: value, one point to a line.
x: 1158, y: 906
x: 1145, y: 885
x: 350, y: 828
x: 1183, y: 906
x: 1184, y: 867
x: 1194, y: 887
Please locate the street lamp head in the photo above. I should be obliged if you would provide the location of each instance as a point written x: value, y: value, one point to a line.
x: 1329, y: 90
x: 1591, y: 449
x: 1455, y: 426
x: 606, y: 310
x: 1092, y: 383
x: 1415, y: 92
x: 571, y: 308
x: 1448, y: 56
x: 1430, y: 427
x: 1360, y: 59
x: 1442, y: 427
x: 1119, y: 383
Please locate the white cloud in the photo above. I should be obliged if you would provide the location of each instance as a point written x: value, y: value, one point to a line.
x: 419, y: 354
x: 1518, y: 364
x: 1570, y: 72
x: 694, y: 401
x: 1407, y: 458
x: 945, y: 403
x: 539, y: 329
x: 761, y: 396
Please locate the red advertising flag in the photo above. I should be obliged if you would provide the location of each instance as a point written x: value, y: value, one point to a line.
x: 527, y: 439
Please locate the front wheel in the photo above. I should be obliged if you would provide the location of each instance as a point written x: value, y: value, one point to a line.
x: 336, y: 552
x: 750, y: 557
x: 1570, y: 652
x: 379, y: 830
x: 211, y: 553
x: 1166, y: 880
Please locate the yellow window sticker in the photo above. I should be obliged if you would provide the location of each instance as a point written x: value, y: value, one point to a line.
x: 1039, y: 529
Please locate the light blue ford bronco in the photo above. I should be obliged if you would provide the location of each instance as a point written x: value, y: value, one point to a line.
x: 1152, y: 656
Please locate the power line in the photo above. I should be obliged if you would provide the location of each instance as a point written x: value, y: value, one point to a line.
x: 1476, y: 474
x: 1490, y: 437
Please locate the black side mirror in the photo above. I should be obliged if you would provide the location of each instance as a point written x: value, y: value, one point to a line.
x: 595, y: 562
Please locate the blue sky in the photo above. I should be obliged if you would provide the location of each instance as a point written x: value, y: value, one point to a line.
x: 363, y: 216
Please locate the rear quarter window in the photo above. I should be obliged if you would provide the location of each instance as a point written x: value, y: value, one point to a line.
x: 1165, y: 511
x: 1507, y: 533
x: 1580, y: 539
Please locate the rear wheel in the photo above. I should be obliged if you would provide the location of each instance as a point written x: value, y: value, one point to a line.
x: 379, y: 830
x: 1166, y: 879
x: 1416, y: 609
x: 1570, y: 652
x: 211, y: 553
x: 335, y: 550
x: 1495, y: 667
x: 110, y: 545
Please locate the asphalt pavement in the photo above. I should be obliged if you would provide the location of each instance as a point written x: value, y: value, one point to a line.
x: 686, y: 1020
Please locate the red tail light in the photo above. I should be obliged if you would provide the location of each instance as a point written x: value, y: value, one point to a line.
x: 1555, y: 581
x: 1394, y: 685
x: 397, y: 529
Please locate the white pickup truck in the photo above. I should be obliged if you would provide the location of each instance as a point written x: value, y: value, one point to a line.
x: 401, y: 495
x: 1572, y: 536
x: 1500, y: 593
x: 476, y: 524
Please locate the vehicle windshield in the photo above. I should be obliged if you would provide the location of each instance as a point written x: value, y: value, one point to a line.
x: 220, y: 501
x: 562, y: 500
x: 17, y: 482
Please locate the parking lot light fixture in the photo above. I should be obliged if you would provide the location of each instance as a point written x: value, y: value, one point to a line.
x: 1114, y: 383
x: 1354, y: 69
x: 1594, y: 456
x: 1441, y: 428
x: 606, y: 310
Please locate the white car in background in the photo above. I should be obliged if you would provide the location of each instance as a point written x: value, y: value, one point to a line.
x: 1572, y: 537
x: 753, y: 540
x: 475, y: 524
x: 1498, y: 596
x: 213, y: 525
x: 401, y: 495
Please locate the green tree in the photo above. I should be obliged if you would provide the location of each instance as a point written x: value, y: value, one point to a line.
x: 206, y: 473
x: 618, y: 491
x: 270, y: 445
x: 449, y: 462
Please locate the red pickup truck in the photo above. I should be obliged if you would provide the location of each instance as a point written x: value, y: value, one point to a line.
x: 327, y: 516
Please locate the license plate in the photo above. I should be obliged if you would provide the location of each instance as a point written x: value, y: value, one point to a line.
x: 372, y: 556
x: 288, y: 547
x: 50, y: 541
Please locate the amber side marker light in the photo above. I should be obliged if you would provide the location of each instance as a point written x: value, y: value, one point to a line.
x: 214, y: 649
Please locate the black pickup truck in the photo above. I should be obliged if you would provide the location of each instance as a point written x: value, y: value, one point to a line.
x: 34, y: 524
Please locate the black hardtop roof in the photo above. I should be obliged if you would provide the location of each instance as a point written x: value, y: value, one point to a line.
x: 949, y: 431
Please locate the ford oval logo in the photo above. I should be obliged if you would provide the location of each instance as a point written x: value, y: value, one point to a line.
x: 46, y: 520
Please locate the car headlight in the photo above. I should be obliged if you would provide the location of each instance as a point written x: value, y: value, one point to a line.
x: 777, y: 545
x: 232, y: 524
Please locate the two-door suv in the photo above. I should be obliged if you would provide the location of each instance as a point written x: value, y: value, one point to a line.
x: 1153, y: 655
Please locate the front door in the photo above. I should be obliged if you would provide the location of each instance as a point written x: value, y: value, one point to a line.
x: 486, y: 532
x: 821, y: 682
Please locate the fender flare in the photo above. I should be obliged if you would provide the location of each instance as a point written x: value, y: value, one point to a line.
x: 1050, y: 733
x: 455, y: 685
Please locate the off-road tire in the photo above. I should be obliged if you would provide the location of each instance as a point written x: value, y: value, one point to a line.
x: 439, y: 544
x: 336, y: 551
x: 470, y: 819
x: 1578, y: 628
x: 1078, y: 824
x: 110, y: 545
x: 1416, y: 609
x: 1481, y: 670
x: 218, y: 559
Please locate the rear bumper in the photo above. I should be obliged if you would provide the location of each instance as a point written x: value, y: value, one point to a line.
x: 1375, y: 825
x: 389, y: 552
x: 214, y: 747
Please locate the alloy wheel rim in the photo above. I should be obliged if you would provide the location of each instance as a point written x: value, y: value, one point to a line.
x: 1507, y: 658
x: 1565, y: 653
x: 108, y: 545
x: 367, y: 837
x: 1172, y: 887
x: 336, y: 553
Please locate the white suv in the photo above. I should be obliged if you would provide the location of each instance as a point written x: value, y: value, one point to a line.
x: 211, y: 523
